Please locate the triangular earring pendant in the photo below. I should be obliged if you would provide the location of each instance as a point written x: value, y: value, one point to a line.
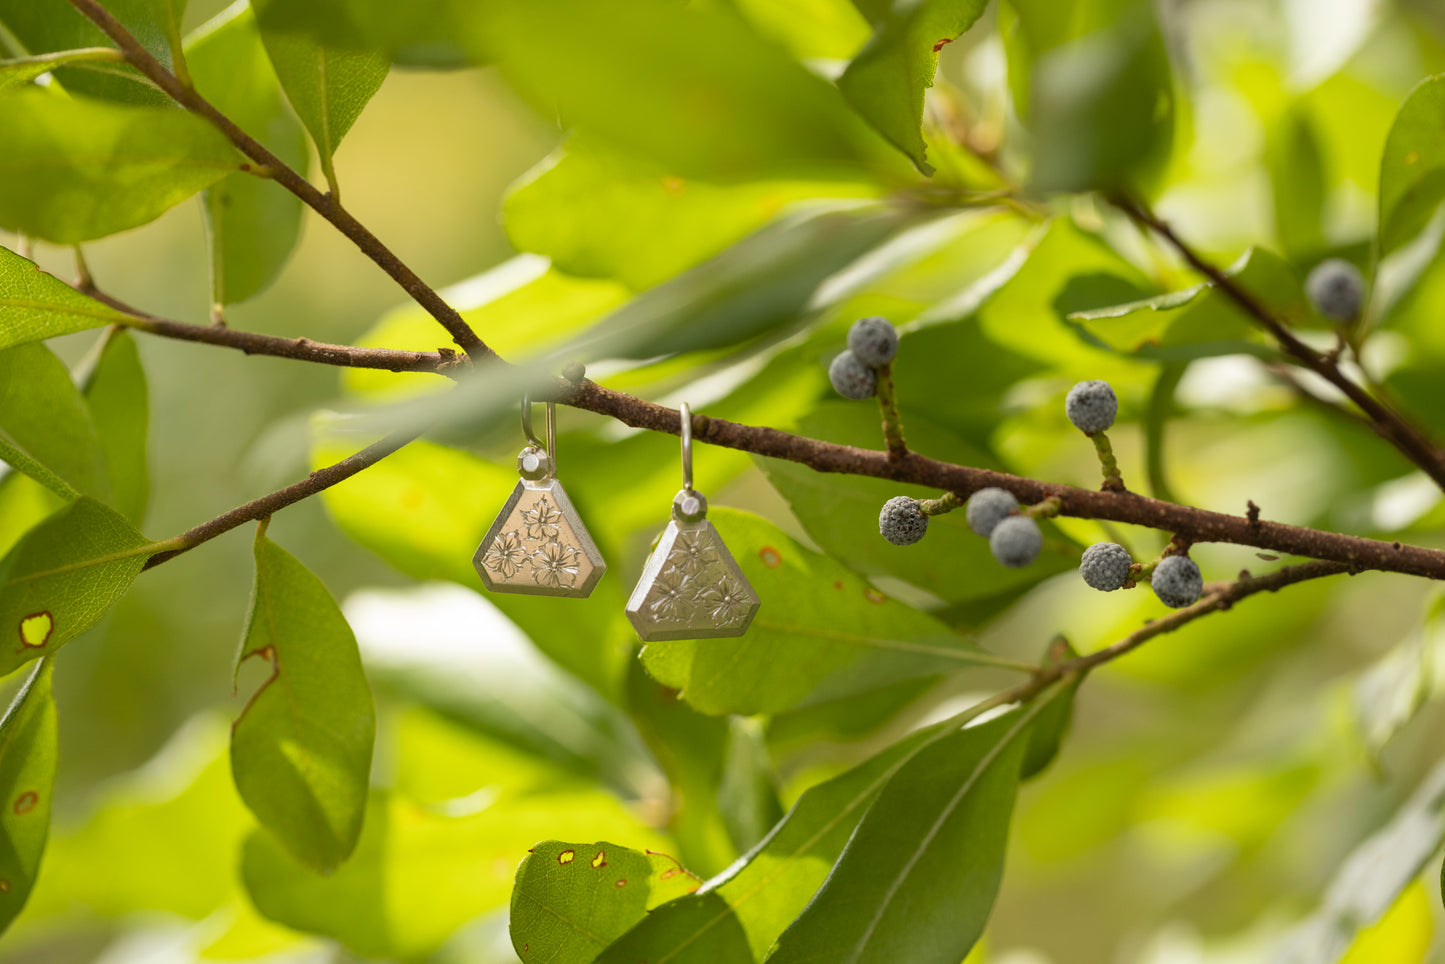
x: 691, y: 587
x: 538, y: 544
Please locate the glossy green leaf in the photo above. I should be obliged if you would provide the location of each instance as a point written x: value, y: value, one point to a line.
x: 24, y: 503
x: 1373, y: 875
x: 254, y: 223
x: 119, y: 403
x: 1097, y: 92
x: 420, y: 873
x: 571, y: 900
x: 46, y: 430
x: 597, y: 213
x: 406, y: 509
x: 27, y: 779
x: 748, y: 789
x: 48, y: 28
x: 419, y: 33
x: 1052, y: 723
x: 1199, y: 322
x: 821, y: 633
x: 167, y: 17
x: 1412, y: 174
x: 734, y: 107
x: 829, y: 29
x: 841, y: 514
x: 327, y: 86
x: 35, y: 305
x: 738, y: 915
x: 301, y: 749
x: 74, y: 169
x: 919, y: 875
x: 62, y: 577
x: 886, y: 81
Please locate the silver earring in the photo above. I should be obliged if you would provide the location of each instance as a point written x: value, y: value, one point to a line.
x: 538, y: 544
x: 691, y: 587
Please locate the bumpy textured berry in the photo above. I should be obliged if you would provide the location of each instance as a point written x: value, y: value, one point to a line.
x: 873, y: 341
x: 1177, y: 582
x: 852, y: 378
x: 1105, y: 566
x: 1336, y: 289
x: 1091, y: 406
x: 1016, y: 541
x: 900, y: 522
x: 987, y: 508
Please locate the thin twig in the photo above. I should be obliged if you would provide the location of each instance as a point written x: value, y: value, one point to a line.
x: 274, y: 167
x: 1386, y: 421
x: 888, y: 408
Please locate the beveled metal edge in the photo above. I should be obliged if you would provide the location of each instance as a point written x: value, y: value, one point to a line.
x: 553, y: 487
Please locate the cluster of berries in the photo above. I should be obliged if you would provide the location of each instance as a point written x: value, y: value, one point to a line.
x: 1176, y: 580
x: 872, y: 343
x: 1014, y: 538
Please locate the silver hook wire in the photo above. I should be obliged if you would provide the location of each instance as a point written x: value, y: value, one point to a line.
x: 686, y: 447
x: 551, y: 447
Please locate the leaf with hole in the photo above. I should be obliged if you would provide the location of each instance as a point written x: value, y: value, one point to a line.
x: 27, y: 779
x: 301, y: 749
x: 571, y: 900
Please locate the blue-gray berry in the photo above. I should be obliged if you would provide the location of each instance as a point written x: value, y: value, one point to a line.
x: 852, y: 378
x: 1105, y: 566
x: 900, y: 522
x: 1091, y: 406
x: 1177, y: 582
x: 1336, y: 289
x: 987, y: 508
x: 1016, y: 541
x: 873, y: 341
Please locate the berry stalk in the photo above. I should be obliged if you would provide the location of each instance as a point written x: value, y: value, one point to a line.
x: 1113, y: 479
x: 892, y: 421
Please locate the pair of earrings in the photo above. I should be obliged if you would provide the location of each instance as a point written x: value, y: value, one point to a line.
x: 691, y: 587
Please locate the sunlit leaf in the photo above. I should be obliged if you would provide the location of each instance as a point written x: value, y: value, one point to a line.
x: 301, y: 749
x: 46, y: 430
x: 254, y: 223
x: 571, y: 900
x: 1296, y: 168
x: 119, y: 404
x: 821, y: 632
x: 62, y: 577
x: 35, y: 305
x: 748, y: 788
x: 27, y: 777
x: 886, y: 81
x: 1402, y: 936
x: 47, y: 28
x: 76, y: 169
x: 419, y: 33
x: 1412, y: 174
x: 22, y: 70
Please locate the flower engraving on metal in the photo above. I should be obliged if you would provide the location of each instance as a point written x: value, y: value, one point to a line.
x: 538, y: 545
x: 691, y: 588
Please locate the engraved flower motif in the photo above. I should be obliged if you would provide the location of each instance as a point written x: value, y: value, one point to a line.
x: 505, y: 555
x: 541, y: 520
x: 692, y: 554
x: 726, y: 602
x: 673, y: 597
x: 555, y: 565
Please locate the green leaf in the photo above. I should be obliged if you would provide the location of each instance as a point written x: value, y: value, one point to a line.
x: 1412, y: 173
x: 841, y: 514
x: 167, y: 17
x: 886, y: 81
x: 597, y: 213
x: 62, y: 577
x: 1199, y: 322
x: 419, y: 33
x: 254, y: 222
x: 1052, y: 723
x: 301, y: 749
x: 74, y: 170
x: 821, y: 633
x: 636, y: 78
x: 1098, y: 92
x: 49, y: 28
x: 27, y: 778
x: 1387, y: 694
x: 22, y: 70
x: 1295, y: 161
x: 119, y: 404
x: 327, y: 86
x: 1373, y: 875
x: 748, y: 790
x: 24, y: 503
x: 421, y: 873
x: 46, y: 429
x: 738, y: 915
x: 35, y: 305
x: 919, y: 875
x: 573, y: 899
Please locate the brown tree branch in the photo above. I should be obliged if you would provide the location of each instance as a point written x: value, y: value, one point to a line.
x: 1387, y: 423
x: 273, y: 167
x: 281, y: 498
